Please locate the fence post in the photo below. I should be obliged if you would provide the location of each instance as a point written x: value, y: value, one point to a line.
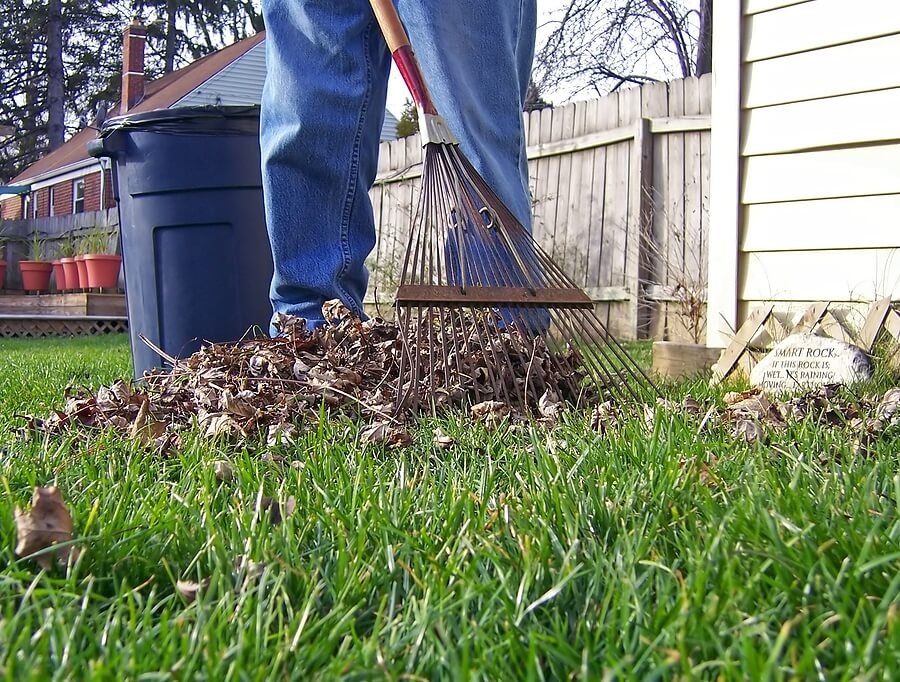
x: 640, y: 209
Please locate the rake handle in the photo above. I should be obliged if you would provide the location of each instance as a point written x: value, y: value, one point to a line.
x: 402, y: 53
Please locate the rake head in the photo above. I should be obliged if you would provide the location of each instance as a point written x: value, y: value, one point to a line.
x: 486, y: 314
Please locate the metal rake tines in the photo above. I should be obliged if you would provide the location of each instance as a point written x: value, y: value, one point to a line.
x: 486, y: 314
x: 456, y: 356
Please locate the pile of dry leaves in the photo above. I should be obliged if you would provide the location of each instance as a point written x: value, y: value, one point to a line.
x: 271, y: 384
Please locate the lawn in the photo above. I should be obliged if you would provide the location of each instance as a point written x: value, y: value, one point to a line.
x: 519, y: 553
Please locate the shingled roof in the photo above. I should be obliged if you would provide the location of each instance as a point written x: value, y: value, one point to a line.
x: 161, y: 93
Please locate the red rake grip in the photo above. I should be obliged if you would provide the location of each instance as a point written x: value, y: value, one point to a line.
x: 398, y: 43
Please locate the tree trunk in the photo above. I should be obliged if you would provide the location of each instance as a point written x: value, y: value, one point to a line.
x: 704, y: 40
x: 171, y: 11
x: 56, y: 128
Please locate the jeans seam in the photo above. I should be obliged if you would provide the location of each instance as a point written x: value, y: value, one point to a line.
x: 522, y: 142
x: 353, y: 182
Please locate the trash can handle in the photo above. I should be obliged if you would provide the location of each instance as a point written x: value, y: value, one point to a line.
x: 105, y: 147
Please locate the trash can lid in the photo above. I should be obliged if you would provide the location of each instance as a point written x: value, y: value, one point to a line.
x: 193, y: 120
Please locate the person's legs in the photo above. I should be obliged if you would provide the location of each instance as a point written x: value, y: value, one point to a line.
x: 322, y: 113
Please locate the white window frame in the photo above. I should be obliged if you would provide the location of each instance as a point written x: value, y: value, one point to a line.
x: 77, y: 184
x: 52, y: 191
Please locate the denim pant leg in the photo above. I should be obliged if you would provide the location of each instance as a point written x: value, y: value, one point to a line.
x: 322, y: 113
x: 323, y: 108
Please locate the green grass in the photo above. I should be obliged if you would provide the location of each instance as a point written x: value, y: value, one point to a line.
x: 516, y: 555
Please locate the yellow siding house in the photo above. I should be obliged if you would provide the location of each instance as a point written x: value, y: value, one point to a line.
x: 805, y: 202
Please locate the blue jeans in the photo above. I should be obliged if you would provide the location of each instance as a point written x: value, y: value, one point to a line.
x: 323, y: 109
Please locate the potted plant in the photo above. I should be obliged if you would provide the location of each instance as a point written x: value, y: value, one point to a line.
x: 102, y: 266
x: 67, y: 261
x: 35, y: 270
x: 82, y: 246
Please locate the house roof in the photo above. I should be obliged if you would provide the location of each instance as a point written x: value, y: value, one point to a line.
x: 161, y: 93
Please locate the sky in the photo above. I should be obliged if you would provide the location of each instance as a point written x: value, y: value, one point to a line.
x: 547, y: 11
x: 397, y: 92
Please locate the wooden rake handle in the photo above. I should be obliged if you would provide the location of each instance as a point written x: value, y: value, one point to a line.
x: 398, y: 43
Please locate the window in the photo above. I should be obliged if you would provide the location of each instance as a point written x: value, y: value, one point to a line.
x: 78, y: 195
x: 34, y: 204
x: 52, y: 210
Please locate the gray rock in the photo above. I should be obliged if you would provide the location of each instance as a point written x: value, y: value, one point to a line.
x: 804, y: 361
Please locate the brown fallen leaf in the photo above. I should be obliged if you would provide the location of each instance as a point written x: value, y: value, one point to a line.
x: 733, y: 397
x: 224, y: 471
x: 490, y: 412
x: 47, y: 523
x: 237, y: 403
x: 382, y: 432
x: 550, y: 406
x: 189, y: 589
x: 277, y: 512
x: 144, y: 429
x: 888, y: 409
x: 748, y: 430
x: 442, y: 440
x: 691, y: 405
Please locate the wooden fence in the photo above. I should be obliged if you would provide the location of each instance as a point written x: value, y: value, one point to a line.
x: 620, y: 188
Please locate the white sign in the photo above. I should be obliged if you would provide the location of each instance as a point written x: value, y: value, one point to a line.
x: 803, y: 361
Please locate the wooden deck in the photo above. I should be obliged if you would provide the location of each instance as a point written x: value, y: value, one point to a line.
x: 79, y: 314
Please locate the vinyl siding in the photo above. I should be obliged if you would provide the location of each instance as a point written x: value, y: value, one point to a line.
x: 819, y: 153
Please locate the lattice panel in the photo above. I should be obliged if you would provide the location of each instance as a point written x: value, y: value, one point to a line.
x: 38, y: 328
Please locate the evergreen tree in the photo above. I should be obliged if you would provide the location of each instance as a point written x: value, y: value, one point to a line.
x: 409, y: 120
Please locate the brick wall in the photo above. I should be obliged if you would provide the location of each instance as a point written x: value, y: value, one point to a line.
x: 92, y: 191
x: 11, y: 208
x: 43, y: 202
x: 62, y: 198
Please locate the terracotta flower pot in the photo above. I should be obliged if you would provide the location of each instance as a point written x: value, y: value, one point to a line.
x: 70, y: 271
x: 35, y: 275
x: 102, y: 270
x: 2, y: 274
x: 59, y: 275
x: 82, y: 272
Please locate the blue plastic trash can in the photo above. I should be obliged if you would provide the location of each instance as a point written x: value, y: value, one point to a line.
x: 195, y: 252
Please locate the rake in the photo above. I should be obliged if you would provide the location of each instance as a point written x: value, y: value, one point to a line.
x: 484, y: 313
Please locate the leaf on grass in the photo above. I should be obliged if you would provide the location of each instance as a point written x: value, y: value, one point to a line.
x: 382, y: 432
x: 603, y: 416
x: 748, y: 430
x: 733, y: 397
x: 144, y: 429
x: 691, y: 405
x: 223, y: 470
x: 489, y: 412
x: 283, y: 433
x: 189, y: 589
x: 277, y: 512
x: 47, y: 523
x: 442, y: 440
x: 550, y: 406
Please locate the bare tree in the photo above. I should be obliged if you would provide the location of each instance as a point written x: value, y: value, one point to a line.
x: 600, y: 45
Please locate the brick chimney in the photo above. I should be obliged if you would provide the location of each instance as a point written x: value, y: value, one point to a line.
x: 132, y: 64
